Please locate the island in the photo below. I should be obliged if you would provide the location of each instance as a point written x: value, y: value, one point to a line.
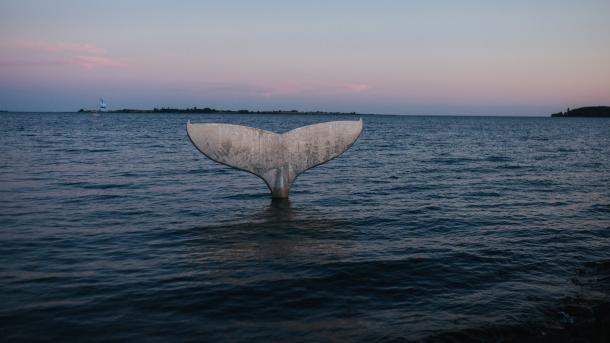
x: 211, y: 110
x: 592, y: 111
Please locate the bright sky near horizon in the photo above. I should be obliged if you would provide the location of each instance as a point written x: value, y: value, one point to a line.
x: 403, y: 57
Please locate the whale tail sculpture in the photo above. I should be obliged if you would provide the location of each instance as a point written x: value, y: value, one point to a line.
x: 276, y: 158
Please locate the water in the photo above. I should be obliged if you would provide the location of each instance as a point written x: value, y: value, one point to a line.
x: 116, y: 228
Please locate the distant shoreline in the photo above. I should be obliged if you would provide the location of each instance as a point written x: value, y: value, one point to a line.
x: 591, y: 111
x: 584, y: 112
x: 208, y: 110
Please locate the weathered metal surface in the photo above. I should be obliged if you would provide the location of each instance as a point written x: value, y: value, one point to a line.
x: 276, y: 158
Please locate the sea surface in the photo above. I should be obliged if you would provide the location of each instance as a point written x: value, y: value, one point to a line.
x: 115, y: 228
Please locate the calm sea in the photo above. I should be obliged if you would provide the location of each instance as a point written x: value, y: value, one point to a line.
x: 444, y: 228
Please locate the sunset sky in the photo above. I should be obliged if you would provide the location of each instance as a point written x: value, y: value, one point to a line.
x: 403, y: 57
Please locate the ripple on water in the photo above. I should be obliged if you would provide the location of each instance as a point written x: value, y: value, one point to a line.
x: 441, y: 228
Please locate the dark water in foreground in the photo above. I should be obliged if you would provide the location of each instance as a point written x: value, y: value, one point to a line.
x: 116, y: 228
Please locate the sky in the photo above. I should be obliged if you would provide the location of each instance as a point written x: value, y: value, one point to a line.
x: 395, y: 57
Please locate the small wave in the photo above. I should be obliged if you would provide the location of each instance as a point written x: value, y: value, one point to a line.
x: 452, y: 160
x: 483, y: 194
x: 498, y: 159
x: 510, y: 166
x: 95, y: 197
x: 247, y: 196
x: 412, y: 188
x: 600, y: 208
x: 541, y: 182
x: 108, y: 186
x: 566, y: 150
x: 79, y: 151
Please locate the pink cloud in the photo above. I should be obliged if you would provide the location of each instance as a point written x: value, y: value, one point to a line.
x: 90, y: 62
x: 283, y: 89
x: 58, y: 47
x: 312, y: 88
x: 30, y: 63
x: 87, y: 56
x: 87, y: 62
x: 355, y: 87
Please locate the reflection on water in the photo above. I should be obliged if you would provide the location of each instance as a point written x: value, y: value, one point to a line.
x: 280, y: 230
x: 280, y: 210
